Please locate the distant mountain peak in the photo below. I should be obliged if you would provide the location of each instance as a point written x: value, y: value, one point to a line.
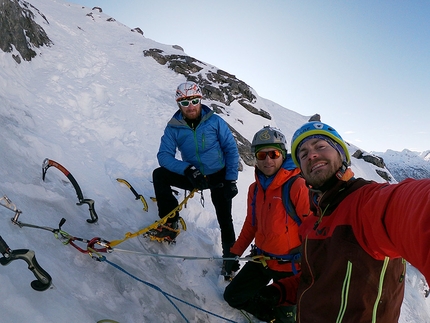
x: 407, y: 164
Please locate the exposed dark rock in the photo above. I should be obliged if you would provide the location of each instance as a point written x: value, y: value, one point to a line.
x: 18, y: 29
x: 252, y: 109
x: 218, y: 109
x: 97, y: 8
x: 178, y: 47
x: 220, y: 86
x: 375, y: 160
x: 384, y: 175
x: 138, y: 30
x: 17, y: 58
x: 358, y: 154
x: 315, y: 117
x: 370, y: 158
x: 244, y: 147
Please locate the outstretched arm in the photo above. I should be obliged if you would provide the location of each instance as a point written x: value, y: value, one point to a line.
x: 396, y: 222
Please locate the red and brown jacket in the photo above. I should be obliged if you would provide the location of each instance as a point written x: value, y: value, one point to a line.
x: 353, y: 245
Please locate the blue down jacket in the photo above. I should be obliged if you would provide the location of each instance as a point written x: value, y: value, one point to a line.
x: 210, y: 147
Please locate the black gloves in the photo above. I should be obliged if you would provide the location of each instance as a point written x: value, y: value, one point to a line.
x: 269, y: 296
x: 230, y: 189
x: 201, y: 182
x: 196, y: 178
x: 231, y: 265
x: 263, y: 303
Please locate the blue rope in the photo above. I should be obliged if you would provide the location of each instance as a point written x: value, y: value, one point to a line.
x: 167, y: 295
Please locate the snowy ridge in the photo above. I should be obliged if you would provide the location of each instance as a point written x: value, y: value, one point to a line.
x: 407, y: 163
x: 95, y: 104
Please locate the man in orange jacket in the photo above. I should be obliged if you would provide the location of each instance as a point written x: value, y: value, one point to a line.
x: 356, y: 238
x: 275, y: 233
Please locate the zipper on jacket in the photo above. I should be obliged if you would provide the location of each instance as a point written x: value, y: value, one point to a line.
x: 402, y: 276
x: 321, y: 212
x: 381, y: 284
x: 345, y: 292
x: 306, y: 260
x: 201, y: 168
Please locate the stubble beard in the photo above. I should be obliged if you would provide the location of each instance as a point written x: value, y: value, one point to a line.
x: 318, y: 178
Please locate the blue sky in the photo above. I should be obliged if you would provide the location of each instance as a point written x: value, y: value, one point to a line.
x: 363, y: 65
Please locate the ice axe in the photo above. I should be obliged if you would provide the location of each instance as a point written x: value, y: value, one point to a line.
x: 43, y: 278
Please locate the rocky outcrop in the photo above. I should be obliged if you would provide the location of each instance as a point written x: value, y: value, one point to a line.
x: 137, y: 30
x: 19, y: 30
x: 370, y: 158
x: 244, y: 147
x: 385, y: 175
x: 375, y: 160
x: 315, y: 117
x: 216, y: 85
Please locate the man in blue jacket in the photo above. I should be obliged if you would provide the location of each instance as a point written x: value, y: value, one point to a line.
x: 210, y: 160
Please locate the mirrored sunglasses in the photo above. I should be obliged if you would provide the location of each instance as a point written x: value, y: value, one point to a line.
x: 273, y: 154
x: 186, y: 103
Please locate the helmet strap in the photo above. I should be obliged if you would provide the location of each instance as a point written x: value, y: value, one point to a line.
x: 341, y: 171
x: 344, y: 174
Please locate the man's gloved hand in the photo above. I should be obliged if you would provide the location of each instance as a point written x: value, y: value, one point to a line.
x: 262, y: 305
x: 268, y: 297
x: 196, y: 178
x: 231, y: 265
x: 230, y: 189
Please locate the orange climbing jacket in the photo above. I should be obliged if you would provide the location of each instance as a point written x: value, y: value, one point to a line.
x: 274, y: 232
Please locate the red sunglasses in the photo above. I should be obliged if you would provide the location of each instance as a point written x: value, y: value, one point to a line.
x: 273, y: 154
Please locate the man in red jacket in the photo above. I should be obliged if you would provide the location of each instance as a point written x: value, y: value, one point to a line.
x: 270, y: 225
x: 356, y: 238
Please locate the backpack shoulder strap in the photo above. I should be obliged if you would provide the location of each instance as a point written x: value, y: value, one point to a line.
x: 286, y: 199
x: 254, y: 197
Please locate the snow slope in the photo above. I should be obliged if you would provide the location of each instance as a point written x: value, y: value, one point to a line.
x: 95, y: 104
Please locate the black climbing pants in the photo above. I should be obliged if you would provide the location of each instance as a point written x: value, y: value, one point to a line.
x: 163, y: 180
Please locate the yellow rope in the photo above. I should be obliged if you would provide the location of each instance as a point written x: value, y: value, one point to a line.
x: 163, y: 220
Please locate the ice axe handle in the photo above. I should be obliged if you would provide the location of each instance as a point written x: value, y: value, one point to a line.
x: 43, y: 278
x: 4, y: 248
x: 93, y: 214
